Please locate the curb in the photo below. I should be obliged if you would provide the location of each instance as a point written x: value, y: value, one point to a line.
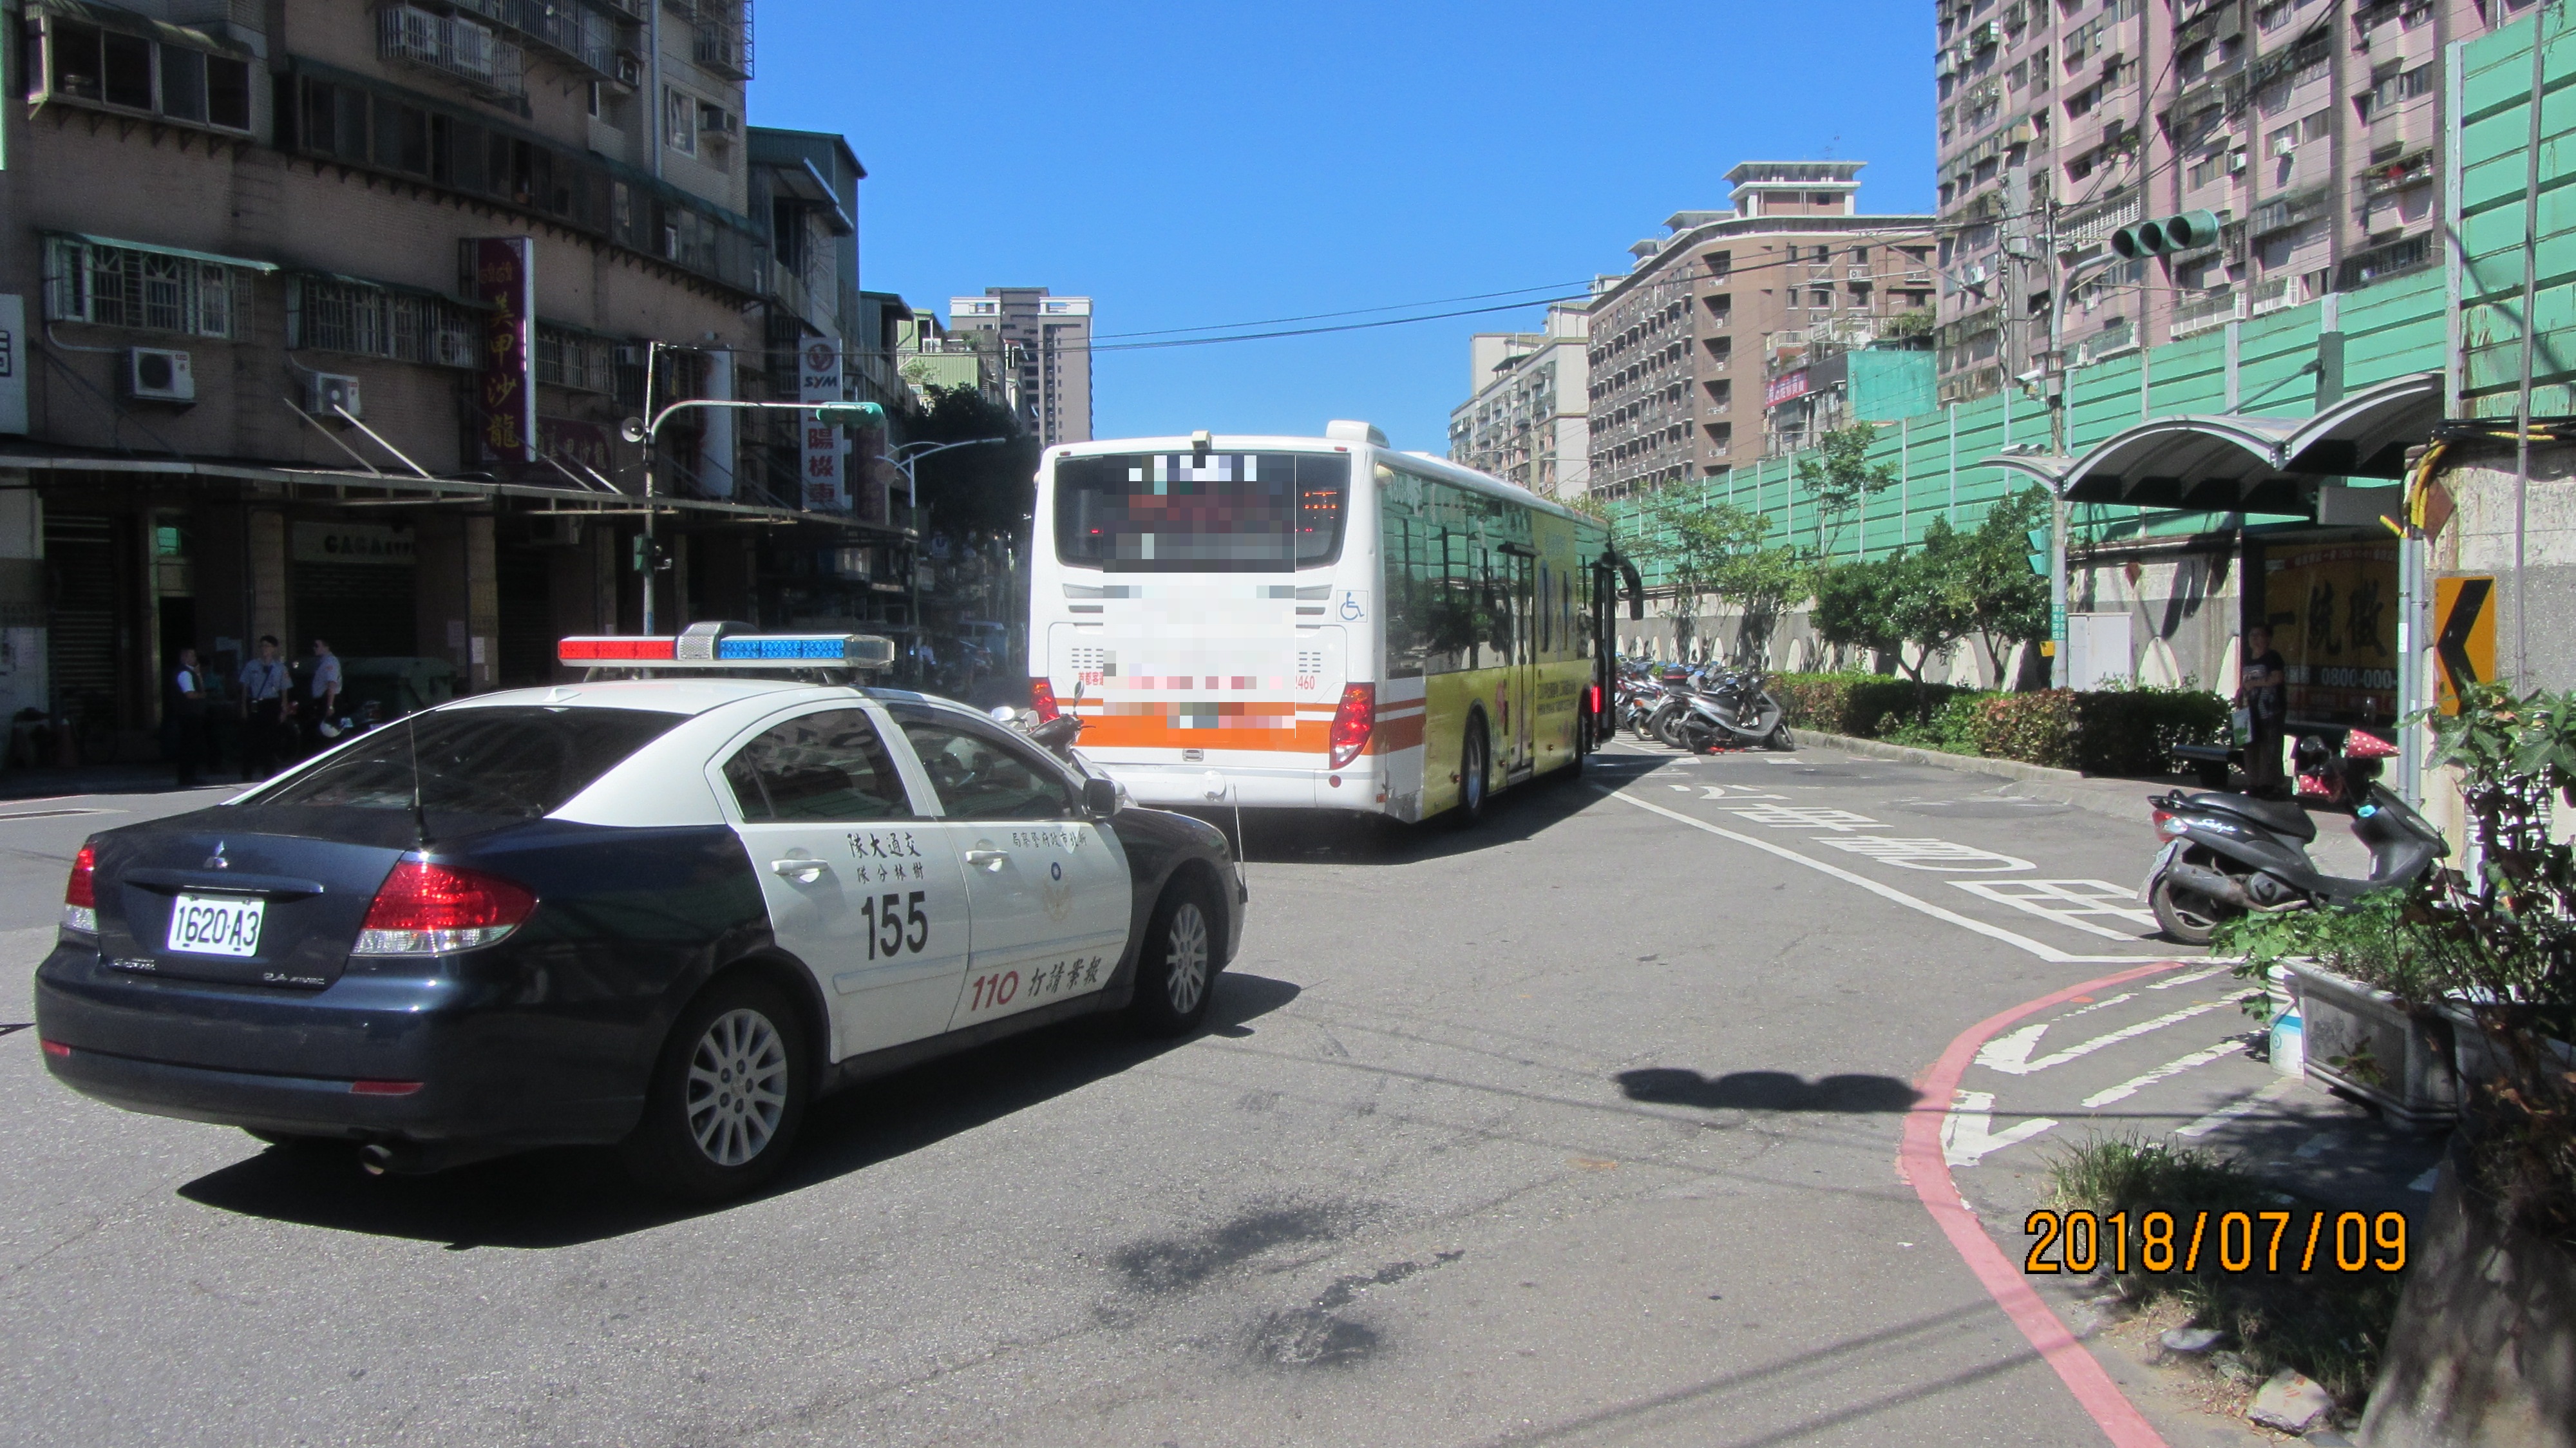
x: 1923, y: 1165
x: 2035, y: 781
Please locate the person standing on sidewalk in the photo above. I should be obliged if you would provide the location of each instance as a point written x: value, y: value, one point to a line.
x: 264, y: 685
x: 188, y: 717
x: 2262, y: 690
x: 326, y: 689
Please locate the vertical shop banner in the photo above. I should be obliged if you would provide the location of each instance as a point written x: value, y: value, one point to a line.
x: 2334, y: 619
x: 505, y: 280
x: 13, y: 376
x: 826, y: 452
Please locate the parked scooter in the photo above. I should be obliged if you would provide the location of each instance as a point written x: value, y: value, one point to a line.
x: 1733, y: 708
x: 2228, y: 855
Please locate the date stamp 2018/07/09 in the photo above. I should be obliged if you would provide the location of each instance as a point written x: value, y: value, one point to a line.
x: 2199, y: 1240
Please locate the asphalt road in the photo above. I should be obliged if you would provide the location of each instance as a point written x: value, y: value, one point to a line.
x: 1578, y: 1128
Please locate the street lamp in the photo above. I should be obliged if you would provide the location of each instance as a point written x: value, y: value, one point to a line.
x: 2053, y: 385
x: 647, y: 434
x: 904, y: 458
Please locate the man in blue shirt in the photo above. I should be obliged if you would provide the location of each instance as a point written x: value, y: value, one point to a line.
x: 264, y: 686
x: 188, y: 717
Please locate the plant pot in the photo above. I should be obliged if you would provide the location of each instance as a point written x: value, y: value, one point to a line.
x: 2366, y: 1042
x: 2483, y: 1348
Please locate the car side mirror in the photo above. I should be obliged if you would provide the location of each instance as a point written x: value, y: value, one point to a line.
x: 1100, y: 797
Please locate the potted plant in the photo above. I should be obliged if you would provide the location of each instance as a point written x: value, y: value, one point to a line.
x: 2463, y: 984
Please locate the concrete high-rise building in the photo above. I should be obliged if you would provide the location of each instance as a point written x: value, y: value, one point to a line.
x: 1679, y: 345
x: 1053, y: 335
x: 2311, y: 130
x: 1526, y: 415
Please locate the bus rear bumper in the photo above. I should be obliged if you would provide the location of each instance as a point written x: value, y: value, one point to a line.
x: 1176, y: 785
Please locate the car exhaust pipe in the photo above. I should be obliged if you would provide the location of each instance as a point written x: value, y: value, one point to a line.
x: 376, y: 1158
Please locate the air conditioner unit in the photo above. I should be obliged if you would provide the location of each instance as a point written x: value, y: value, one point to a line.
x: 328, y: 394
x: 715, y: 120
x: 156, y: 374
x: 2235, y: 161
x: 2285, y: 145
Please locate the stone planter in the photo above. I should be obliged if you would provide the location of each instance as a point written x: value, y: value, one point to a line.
x: 2483, y: 1351
x: 2366, y: 1042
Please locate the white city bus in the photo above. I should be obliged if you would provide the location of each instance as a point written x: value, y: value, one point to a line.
x: 1319, y: 623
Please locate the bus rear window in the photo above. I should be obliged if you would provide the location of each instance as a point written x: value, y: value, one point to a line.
x: 1174, y: 513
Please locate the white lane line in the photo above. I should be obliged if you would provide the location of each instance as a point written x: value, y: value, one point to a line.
x: 2134, y: 1084
x: 2425, y: 1182
x: 2048, y: 953
x: 2126, y: 995
x: 2242, y: 1106
x: 2196, y: 975
x: 1968, y: 1134
x: 2067, y: 902
x: 2011, y: 1054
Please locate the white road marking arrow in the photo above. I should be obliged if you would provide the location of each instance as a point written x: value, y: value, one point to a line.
x: 2011, y: 1054
x: 2130, y: 1087
x: 1967, y: 1133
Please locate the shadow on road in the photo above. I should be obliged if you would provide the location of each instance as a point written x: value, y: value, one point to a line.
x: 565, y: 1196
x: 1280, y: 836
x: 1766, y: 1091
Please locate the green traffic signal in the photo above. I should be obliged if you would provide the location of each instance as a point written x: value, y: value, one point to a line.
x: 2039, y: 544
x: 851, y: 414
x: 2188, y: 232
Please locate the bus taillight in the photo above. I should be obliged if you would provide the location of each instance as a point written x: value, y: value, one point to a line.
x: 1353, y: 721
x: 1592, y: 701
x: 1042, y: 699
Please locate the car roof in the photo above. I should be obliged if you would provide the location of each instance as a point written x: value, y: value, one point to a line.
x: 695, y: 694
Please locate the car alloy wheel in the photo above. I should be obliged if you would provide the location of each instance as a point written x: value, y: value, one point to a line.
x: 1185, y: 969
x: 737, y: 1087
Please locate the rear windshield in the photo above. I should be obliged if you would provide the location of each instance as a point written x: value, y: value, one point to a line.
x: 520, y: 761
x: 1178, y: 513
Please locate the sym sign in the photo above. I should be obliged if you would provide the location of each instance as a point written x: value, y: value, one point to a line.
x: 505, y: 281
x: 826, y: 478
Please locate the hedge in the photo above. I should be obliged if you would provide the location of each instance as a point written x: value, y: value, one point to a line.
x: 2111, y: 731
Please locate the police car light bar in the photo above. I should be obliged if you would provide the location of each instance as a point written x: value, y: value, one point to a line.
x: 718, y: 646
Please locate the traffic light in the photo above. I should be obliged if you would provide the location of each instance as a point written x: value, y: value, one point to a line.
x: 2039, y: 549
x: 2188, y: 232
x: 851, y: 414
x: 643, y: 552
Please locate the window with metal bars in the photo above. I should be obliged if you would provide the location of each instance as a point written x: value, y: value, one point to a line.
x: 331, y: 314
x: 114, y: 286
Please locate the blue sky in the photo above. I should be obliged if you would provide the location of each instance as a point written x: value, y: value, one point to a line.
x: 1213, y: 163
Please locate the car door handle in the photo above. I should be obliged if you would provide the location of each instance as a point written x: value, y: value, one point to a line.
x: 804, y: 872
x: 989, y: 859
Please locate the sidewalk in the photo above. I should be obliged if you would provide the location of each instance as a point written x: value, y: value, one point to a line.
x: 89, y: 779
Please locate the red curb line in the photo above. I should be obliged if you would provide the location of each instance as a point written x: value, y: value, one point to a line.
x: 1923, y: 1165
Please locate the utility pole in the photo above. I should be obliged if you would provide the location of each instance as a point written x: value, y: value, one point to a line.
x: 2053, y: 395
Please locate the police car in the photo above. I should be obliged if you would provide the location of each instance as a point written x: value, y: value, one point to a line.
x: 665, y: 907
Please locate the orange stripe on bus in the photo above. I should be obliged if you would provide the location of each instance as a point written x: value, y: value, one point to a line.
x: 1393, y: 735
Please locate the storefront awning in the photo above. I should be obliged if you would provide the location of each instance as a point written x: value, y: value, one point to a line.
x: 2229, y: 463
x: 157, y: 249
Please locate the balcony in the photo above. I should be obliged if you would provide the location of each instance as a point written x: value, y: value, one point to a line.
x: 571, y: 32
x: 2111, y: 341
x: 2207, y: 310
x: 2278, y: 294
x: 723, y: 38
x: 455, y: 48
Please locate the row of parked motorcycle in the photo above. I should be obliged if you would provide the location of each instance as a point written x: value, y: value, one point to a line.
x: 2225, y: 854
x: 1700, y: 708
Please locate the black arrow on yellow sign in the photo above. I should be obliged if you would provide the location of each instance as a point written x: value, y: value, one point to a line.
x: 2460, y: 632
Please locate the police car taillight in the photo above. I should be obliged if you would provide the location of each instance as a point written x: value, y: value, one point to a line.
x: 424, y: 908
x: 1042, y: 700
x: 80, y: 893
x: 1353, y: 721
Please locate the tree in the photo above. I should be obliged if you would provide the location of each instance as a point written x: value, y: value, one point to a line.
x: 975, y: 490
x: 1720, y: 549
x: 1855, y: 604
x: 1930, y: 606
x: 2009, y: 602
x: 1843, y: 479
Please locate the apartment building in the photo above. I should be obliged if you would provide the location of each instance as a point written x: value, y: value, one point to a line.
x: 2309, y: 129
x: 1053, y: 335
x: 1528, y: 411
x: 1678, y: 345
x: 333, y: 319
x: 930, y: 357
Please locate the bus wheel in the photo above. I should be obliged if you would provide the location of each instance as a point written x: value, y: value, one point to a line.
x: 1471, y: 777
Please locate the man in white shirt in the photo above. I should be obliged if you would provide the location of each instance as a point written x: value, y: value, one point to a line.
x: 265, y: 686
x: 326, y: 689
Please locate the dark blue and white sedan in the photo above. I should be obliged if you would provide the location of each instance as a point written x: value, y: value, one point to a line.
x: 663, y: 911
